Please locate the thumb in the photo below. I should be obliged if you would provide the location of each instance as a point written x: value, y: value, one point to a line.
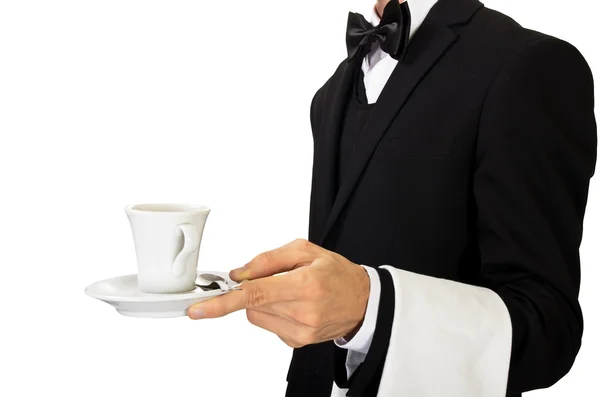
x: 288, y: 257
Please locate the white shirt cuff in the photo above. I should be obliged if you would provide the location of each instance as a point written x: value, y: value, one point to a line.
x: 361, y: 342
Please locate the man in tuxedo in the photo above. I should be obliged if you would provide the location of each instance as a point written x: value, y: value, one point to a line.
x: 453, y: 151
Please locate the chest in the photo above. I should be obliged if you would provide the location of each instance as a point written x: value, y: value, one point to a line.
x: 430, y: 141
x: 415, y: 189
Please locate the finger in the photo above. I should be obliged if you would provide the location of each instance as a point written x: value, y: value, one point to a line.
x: 290, y: 310
x: 288, y: 342
x: 293, y: 334
x: 251, y: 294
x: 288, y: 257
x: 282, y: 327
x: 305, y: 313
x: 219, y: 306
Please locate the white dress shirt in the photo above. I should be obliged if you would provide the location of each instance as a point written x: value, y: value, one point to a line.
x: 377, y: 67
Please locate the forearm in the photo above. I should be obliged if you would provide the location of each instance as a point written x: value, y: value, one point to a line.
x: 547, y: 335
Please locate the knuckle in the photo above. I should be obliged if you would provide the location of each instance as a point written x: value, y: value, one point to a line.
x: 307, y: 337
x: 303, y: 277
x: 252, y: 316
x: 256, y: 296
x: 302, y: 243
x: 291, y: 343
x: 312, y: 319
x: 263, y: 259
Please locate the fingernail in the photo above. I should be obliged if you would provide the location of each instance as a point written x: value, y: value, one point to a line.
x: 197, y: 313
x: 241, y: 273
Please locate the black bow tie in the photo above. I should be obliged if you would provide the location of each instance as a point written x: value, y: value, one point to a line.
x: 392, y: 33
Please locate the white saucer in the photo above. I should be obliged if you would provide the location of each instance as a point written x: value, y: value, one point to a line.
x: 123, y: 293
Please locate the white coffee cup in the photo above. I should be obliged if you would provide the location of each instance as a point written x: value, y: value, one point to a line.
x: 167, y: 241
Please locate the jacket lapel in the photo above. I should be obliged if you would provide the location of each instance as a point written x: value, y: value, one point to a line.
x: 430, y: 42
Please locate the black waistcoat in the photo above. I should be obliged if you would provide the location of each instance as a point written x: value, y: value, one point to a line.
x: 357, y: 114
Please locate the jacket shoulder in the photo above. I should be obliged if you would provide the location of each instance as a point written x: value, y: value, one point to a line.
x: 496, y: 28
x: 325, y: 95
x: 499, y: 39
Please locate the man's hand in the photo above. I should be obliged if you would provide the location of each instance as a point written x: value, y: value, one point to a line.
x: 322, y: 297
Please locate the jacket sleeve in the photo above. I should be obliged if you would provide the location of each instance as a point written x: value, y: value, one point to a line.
x: 536, y: 153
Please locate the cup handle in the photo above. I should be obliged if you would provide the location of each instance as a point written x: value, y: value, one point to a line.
x: 191, y: 242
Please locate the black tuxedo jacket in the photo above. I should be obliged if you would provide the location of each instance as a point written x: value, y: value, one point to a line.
x: 474, y: 167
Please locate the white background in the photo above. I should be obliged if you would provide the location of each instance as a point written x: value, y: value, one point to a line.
x: 107, y: 103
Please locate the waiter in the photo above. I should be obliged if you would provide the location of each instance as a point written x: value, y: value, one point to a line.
x: 453, y: 151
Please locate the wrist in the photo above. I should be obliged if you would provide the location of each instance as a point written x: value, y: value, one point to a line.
x: 364, y: 290
x: 353, y: 333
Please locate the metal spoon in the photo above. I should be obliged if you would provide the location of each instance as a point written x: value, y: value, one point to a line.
x: 210, y: 282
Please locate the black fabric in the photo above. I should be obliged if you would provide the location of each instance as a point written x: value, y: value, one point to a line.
x: 392, y: 33
x: 357, y: 112
x: 366, y: 377
x: 473, y: 166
